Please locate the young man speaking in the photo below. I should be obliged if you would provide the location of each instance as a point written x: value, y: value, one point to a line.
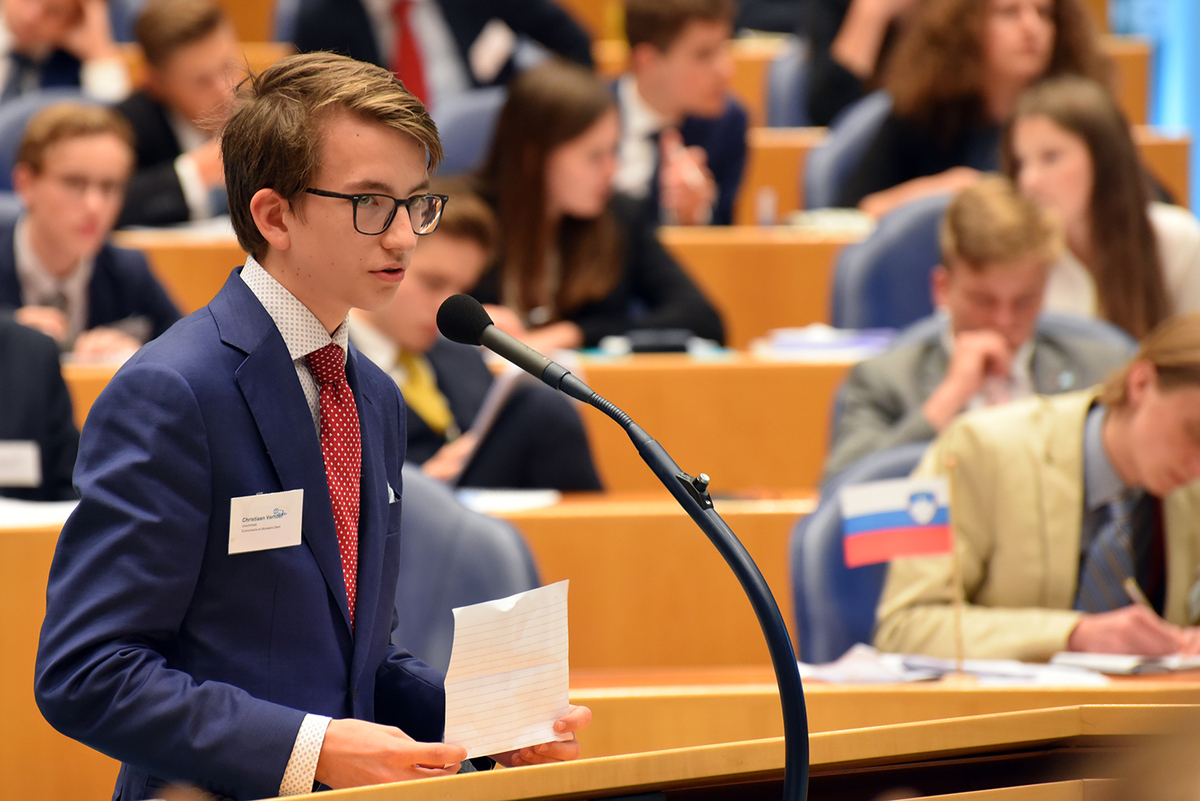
x: 220, y: 604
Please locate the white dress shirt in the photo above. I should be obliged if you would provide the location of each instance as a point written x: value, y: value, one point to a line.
x: 39, y: 287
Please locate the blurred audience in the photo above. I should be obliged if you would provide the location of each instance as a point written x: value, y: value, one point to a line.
x: 957, y: 72
x: 849, y: 43
x: 1131, y: 261
x: 38, y: 438
x: 192, y: 64
x: 57, y: 267
x: 536, y: 441
x: 1055, y: 503
x: 440, y: 48
x: 60, y: 43
x: 769, y: 16
x: 683, y: 136
x: 997, y: 250
x: 575, y: 263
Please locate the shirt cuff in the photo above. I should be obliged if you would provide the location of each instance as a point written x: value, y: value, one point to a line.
x: 105, y: 79
x: 195, y: 193
x: 302, y: 765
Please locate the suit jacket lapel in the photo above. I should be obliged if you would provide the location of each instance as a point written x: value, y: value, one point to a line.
x: 1051, y: 369
x: 1061, y: 507
x: 268, y: 382
x: 372, y: 513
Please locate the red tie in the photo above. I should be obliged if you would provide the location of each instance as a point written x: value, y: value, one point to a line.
x: 406, y: 53
x: 342, y: 448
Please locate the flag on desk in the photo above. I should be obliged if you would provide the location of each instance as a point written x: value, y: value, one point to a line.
x: 884, y: 520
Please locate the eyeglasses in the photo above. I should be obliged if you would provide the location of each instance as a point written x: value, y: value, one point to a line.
x: 373, y: 213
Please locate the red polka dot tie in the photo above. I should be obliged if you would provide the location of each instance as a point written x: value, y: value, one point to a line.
x: 342, y: 448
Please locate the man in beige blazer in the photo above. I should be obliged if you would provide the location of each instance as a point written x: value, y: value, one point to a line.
x: 1026, y: 483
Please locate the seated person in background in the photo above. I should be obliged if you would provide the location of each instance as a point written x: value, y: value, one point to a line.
x: 60, y: 43
x: 1054, y: 503
x: 536, y: 441
x: 955, y: 77
x: 455, y: 44
x: 849, y: 43
x: 683, y: 136
x: 191, y: 67
x: 997, y: 248
x: 575, y: 263
x: 1129, y: 260
x: 35, y: 407
x: 57, y: 267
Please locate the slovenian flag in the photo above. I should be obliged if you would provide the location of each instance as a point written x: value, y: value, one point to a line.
x: 884, y: 520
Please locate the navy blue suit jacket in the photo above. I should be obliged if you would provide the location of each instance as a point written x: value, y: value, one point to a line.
x: 122, y: 287
x: 187, y: 663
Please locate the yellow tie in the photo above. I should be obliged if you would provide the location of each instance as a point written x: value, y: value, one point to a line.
x: 421, y: 392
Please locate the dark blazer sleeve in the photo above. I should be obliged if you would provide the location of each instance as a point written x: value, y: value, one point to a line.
x: 653, y: 283
x: 123, y: 287
x: 35, y: 405
x: 341, y: 26
x: 154, y: 195
x: 831, y: 87
x: 547, y: 23
x: 889, y: 161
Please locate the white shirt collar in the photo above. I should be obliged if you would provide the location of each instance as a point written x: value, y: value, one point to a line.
x: 301, y: 330
x: 637, y: 117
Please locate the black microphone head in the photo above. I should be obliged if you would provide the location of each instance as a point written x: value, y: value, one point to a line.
x: 462, y: 319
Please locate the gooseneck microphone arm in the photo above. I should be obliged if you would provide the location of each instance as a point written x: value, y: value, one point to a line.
x: 462, y: 319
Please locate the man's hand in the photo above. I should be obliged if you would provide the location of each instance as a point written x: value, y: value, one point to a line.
x: 207, y: 158
x: 91, y: 37
x: 356, y: 753
x: 450, y: 459
x: 977, y: 356
x: 50, y: 321
x: 1132, y: 629
x: 687, y: 189
x: 104, y: 345
x: 576, y: 718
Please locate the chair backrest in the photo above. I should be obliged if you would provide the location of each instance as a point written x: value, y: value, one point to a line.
x: 834, y: 161
x: 883, y: 281
x: 835, y: 604
x: 466, y: 123
x: 14, y: 118
x: 450, y: 556
x: 787, y: 86
x: 284, y: 20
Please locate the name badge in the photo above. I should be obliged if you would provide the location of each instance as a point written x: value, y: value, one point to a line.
x: 265, y: 521
x: 20, y: 463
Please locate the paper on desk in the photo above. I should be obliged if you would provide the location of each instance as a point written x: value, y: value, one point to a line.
x: 508, y: 678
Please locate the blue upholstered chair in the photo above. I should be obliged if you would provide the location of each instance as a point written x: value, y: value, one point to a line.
x: 450, y: 556
x: 835, y: 604
x: 284, y: 19
x: 787, y: 86
x: 883, y: 281
x: 833, y: 163
x: 14, y: 117
x: 466, y: 124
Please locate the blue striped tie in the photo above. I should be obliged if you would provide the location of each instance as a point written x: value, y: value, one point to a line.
x: 1109, y: 560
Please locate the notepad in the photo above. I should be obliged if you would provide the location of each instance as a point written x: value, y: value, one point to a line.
x: 509, y: 676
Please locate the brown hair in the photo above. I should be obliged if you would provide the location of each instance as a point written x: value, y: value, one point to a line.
x: 164, y: 26
x: 273, y: 137
x: 936, y: 73
x: 659, y: 22
x: 62, y: 121
x: 547, y: 106
x: 1127, y: 268
x: 466, y: 215
x: 990, y: 224
x: 1173, y: 347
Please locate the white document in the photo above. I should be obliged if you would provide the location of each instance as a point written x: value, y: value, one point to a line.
x: 20, y: 463
x: 16, y: 514
x: 1125, y: 664
x: 509, y: 676
x: 265, y: 521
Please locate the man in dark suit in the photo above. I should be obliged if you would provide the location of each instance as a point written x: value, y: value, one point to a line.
x: 192, y: 60
x: 536, y: 440
x: 60, y: 43
x: 57, y: 268
x: 997, y: 249
x: 220, y: 605
x: 683, y: 137
x: 38, y: 438
x: 456, y: 44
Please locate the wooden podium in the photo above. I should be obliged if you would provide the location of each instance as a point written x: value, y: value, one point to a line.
x: 959, y: 755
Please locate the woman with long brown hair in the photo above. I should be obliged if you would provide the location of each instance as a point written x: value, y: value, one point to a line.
x: 954, y: 78
x: 1130, y: 261
x: 575, y: 262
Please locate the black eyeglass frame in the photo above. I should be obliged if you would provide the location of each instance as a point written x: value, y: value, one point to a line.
x: 406, y: 203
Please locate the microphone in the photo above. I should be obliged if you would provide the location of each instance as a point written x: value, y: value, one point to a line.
x: 462, y: 319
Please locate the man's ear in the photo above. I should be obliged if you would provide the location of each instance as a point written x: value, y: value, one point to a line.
x: 939, y: 286
x: 22, y: 179
x: 273, y: 215
x: 1139, y: 379
x: 642, y: 57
